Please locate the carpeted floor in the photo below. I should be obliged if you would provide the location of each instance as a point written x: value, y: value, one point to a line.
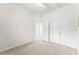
x: 39, y: 47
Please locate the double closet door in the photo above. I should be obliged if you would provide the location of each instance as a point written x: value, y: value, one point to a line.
x: 42, y: 31
x: 64, y: 32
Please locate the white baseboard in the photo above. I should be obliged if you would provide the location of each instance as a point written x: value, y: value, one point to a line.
x: 16, y: 45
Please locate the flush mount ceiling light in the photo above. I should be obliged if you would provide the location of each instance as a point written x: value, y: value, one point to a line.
x: 40, y: 5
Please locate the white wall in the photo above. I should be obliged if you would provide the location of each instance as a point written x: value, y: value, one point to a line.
x: 16, y: 26
x: 63, y: 25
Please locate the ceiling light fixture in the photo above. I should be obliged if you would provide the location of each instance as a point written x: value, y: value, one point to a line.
x: 40, y: 5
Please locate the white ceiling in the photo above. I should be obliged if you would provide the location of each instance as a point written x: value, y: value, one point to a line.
x: 41, y: 8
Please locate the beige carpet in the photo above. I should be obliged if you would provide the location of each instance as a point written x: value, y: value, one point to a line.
x: 39, y: 47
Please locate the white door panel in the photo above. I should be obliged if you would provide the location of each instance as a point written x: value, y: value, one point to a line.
x: 45, y: 31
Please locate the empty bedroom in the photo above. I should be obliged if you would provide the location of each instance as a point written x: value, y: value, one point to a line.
x: 39, y: 28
